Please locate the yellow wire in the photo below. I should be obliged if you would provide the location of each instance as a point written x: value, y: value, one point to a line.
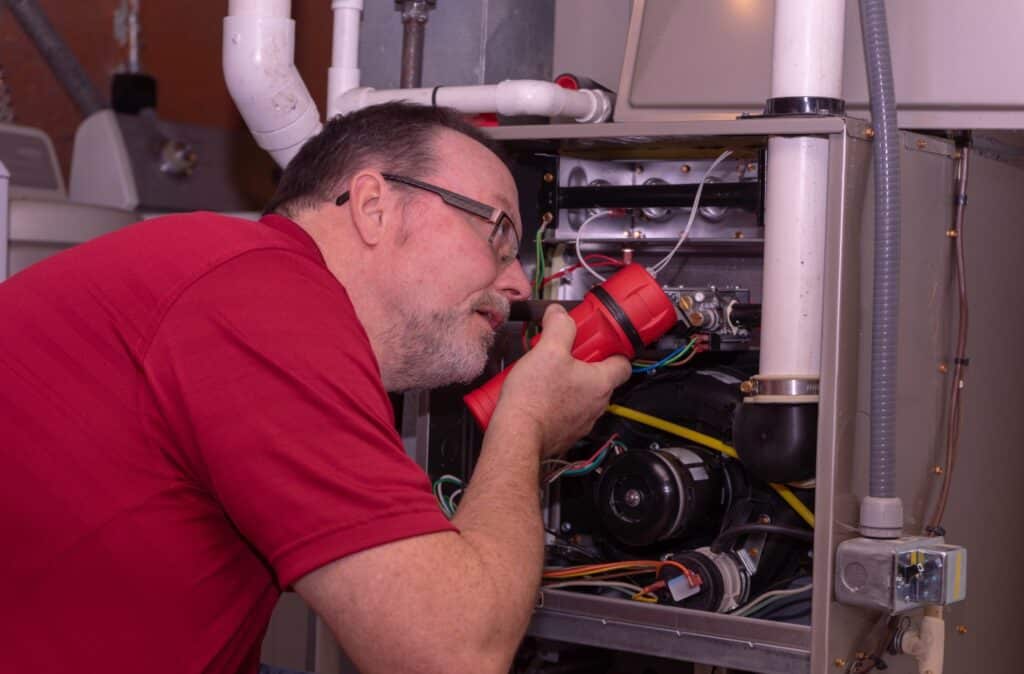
x: 711, y: 443
x: 674, y: 429
x: 796, y: 504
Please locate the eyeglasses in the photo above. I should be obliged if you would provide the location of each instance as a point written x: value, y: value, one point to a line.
x: 504, y: 240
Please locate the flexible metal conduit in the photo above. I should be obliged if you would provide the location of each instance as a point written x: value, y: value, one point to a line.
x: 887, y: 246
x: 62, y: 61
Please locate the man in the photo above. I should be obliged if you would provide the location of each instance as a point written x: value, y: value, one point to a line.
x: 194, y: 418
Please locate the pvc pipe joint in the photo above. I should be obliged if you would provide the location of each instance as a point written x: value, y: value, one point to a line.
x: 259, y: 70
x: 343, y: 75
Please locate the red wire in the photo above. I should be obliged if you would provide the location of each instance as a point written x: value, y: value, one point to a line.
x: 602, y: 261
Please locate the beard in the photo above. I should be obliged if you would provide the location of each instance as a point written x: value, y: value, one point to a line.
x: 432, y: 349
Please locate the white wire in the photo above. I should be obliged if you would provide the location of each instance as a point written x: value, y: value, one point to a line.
x: 579, y: 234
x: 661, y: 264
x: 770, y: 598
x: 629, y: 588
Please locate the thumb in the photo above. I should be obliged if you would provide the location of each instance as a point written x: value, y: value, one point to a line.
x: 559, y: 327
x: 616, y: 370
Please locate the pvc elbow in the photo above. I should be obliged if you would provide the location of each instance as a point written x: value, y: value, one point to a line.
x: 267, y: 89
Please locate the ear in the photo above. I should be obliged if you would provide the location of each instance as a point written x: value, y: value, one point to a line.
x: 367, y: 207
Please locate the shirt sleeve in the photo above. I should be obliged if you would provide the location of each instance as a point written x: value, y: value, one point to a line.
x: 273, y: 402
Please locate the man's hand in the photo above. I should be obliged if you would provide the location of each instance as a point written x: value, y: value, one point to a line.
x: 553, y: 394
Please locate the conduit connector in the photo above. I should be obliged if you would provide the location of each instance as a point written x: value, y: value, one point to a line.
x: 881, y: 517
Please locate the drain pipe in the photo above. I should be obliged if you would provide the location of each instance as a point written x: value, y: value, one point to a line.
x: 61, y: 60
x: 259, y: 69
x: 775, y: 430
x: 414, y: 24
x: 511, y: 98
x: 343, y: 75
x: 881, y: 512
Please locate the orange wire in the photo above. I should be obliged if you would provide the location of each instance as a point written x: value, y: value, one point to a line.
x: 639, y: 566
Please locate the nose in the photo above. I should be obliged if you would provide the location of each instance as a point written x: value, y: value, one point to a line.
x: 513, y: 284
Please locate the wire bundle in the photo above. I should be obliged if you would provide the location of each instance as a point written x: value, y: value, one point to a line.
x: 673, y: 359
x: 587, y: 466
x: 604, y: 575
x: 447, y: 503
x: 775, y: 599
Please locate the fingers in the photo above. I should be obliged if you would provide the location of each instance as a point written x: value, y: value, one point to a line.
x: 559, y: 327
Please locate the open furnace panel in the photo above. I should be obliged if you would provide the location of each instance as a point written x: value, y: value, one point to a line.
x: 660, y: 541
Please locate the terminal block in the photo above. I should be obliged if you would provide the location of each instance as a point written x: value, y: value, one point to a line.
x: 900, y: 574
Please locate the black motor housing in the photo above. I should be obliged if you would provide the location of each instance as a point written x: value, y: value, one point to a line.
x: 649, y: 495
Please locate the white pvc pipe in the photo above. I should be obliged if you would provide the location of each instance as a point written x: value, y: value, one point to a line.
x: 259, y: 69
x: 343, y: 75
x: 807, y: 53
x: 794, y: 252
x: 511, y: 98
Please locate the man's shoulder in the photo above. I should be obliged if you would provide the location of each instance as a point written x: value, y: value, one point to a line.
x: 206, y: 235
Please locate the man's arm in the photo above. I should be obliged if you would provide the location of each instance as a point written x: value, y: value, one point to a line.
x: 457, y: 602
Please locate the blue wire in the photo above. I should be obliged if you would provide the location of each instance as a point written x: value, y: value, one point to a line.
x: 661, y: 363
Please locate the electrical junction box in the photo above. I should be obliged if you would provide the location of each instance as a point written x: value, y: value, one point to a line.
x: 900, y: 574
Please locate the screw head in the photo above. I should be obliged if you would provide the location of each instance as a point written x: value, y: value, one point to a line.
x: 566, y: 527
x: 763, y: 519
x: 633, y: 498
x: 938, y: 470
x: 685, y: 168
x: 839, y: 663
x: 747, y: 387
x: 751, y: 166
x: 961, y: 629
x: 549, y: 177
x: 547, y: 218
x: 922, y: 144
x: 951, y: 233
x: 943, y: 368
x: 869, y: 132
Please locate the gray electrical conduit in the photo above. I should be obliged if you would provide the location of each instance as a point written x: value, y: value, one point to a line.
x: 63, y: 63
x: 887, y: 247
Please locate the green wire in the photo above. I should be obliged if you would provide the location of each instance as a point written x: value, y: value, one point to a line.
x: 447, y: 507
x: 538, y: 273
x: 684, y: 352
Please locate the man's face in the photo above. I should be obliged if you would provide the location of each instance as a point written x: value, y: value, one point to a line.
x: 451, y: 294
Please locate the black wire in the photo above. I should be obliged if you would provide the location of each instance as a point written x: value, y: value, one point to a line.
x: 726, y: 536
x: 791, y: 616
x: 572, y: 549
x: 780, y: 605
x: 785, y: 583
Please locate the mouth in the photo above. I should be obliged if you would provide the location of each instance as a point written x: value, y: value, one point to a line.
x: 494, y: 317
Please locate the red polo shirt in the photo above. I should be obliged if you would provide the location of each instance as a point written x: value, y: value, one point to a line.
x: 191, y: 419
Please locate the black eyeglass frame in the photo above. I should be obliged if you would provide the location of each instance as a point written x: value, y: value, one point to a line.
x: 496, y: 216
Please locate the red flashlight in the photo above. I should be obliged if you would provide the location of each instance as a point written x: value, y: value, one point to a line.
x: 619, y: 317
